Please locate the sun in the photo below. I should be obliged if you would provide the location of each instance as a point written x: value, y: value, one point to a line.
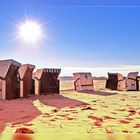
x: 30, y: 31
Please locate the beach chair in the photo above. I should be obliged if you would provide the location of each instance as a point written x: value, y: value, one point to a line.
x: 46, y: 81
x: 83, y: 81
x: 115, y: 81
x: 131, y: 81
x: 25, y: 75
x: 9, y: 79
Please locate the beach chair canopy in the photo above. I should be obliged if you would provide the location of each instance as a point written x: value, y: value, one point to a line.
x: 5, y: 66
x: 23, y: 68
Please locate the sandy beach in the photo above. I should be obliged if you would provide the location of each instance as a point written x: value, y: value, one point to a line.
x: 72, y: 113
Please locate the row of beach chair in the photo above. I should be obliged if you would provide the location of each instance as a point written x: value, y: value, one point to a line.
x: 18, y: 80
x: 115, y: 81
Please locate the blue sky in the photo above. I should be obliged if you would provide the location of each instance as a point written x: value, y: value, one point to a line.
x: 99, y: 36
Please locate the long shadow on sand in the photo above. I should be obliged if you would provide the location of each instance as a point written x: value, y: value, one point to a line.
x: 17, y: 111
x: 100, y: 93
x: 60, y: 101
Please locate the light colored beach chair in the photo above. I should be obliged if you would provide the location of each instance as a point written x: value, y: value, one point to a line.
x: 46, y: 81
x: 9, y: 79
x: 25, y: 75
x: 83, y: 81
x: 116, y: 81
x: 131, y: 81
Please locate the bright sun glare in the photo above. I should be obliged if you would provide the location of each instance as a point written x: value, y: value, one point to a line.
x: 30, y: 31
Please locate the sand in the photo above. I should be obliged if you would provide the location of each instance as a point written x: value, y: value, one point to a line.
x: 17, y: 111
x: 71, y: 113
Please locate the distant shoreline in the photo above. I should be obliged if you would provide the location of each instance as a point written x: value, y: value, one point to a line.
x: 71, y: 78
